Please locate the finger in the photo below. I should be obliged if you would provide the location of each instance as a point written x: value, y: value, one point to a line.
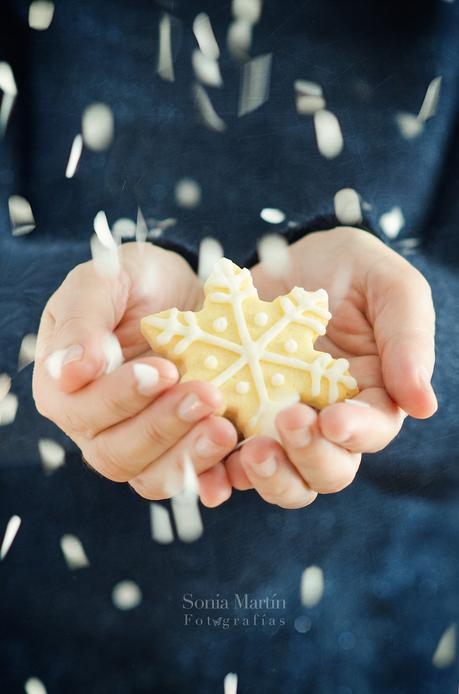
x: 365, y: 424
x: 83, y: 313
x: 110, y: 399
x: 273, y: 476
x: 236, y: 473
x: 326, y: 467
x: 403, y: 316
x: 214, y: 486
x: 123, y: 451
x: 205, y: 446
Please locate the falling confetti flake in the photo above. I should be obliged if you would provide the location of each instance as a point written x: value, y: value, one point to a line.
x: 206, y: 69
x: 73, y: 552
x: 52, y: 454
x: 106, y: 259
x: 230, y: 683
x: 185, y: 506
x: 392, y: 222
x: 208, y: 115
x: 34, y: 686
x: 161, y: 528
x: 8, y: 409
x: 5, y: 385
x: 27, y: 350
x: 239, y: 39
x: 347, y: 206
x: 312, y: 586
x: 256, y: 76
x: 165, y: 67
x: 272, y: 215
x: 97, y: 127
x: 445, y: 653
x: 430, y: 103
x: 309, y: 97
x: 328, y: 134
x: 126, y: 595
x: 210, y: 252
x: 21, y: 216
x: 74, y: 158
x: 157, y: 226
x: 9, y: 89
x: 123, y: 228
x: 410, y: 126
x: 248, y: 10
x: 113, y: 353
x: 41, y: 13
x: 205, y: 36
x: 274, y: 254
x: 102, y: 230
x: 12, y: 528
x: 187, y: 193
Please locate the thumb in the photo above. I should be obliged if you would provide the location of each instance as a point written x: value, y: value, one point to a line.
x: 78, y: 325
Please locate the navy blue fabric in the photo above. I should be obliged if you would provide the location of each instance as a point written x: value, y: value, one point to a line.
x: 388, y: 545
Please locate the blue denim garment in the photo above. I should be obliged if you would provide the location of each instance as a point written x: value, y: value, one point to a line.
x: 388, y: 544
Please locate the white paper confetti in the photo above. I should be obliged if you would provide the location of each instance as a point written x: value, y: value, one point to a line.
x: 52, y: 454
x: 392, y: 222
x: 73, y: 552
x: 97, y: 127
x: 74, y: 158
x: 210, y: 252
x: 410, y: 126
x: 126, y: 595
x: 248, y: 10
x: 347, y: 206
x: 156, y: 227
x: 274, y: 254
x: 308, y: 88
x: 113, y: 353
x: 102, y: 230
x: 187, y: 193
x: 205, y: 36
x: 12, y: 528
x: 123, y: 228
x: 312, y: 586
x: 41, y: 13
x: 206, y: 111
x: 8, y: 409
x: 256, y: 76
x: 445, y: 652
x: 165, y: 68
x: 21, y: 215
x: 5, y: 385
x: 206, y: 69
x: 239, y: 39
x: 185, y: 506
x: 272, y: 215
x: 141, y: 228
x: 328, y: 134
x: 308, y: 105
x: 34, y: 686
x: 430, y: 103
x: 161, y: 527
x: 9, y: 89
x: 27, y: 350
x: 230, y: 683
x: 106, y: 258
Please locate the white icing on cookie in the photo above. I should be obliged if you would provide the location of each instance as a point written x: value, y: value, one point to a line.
x: 261, y: 318
x: 242, y: 387
x: 277, y: 379
x: 211, y: 362
x: 291, y: 346
x: 220, y: 324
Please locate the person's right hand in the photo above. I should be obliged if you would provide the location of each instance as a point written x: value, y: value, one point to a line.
x: 134, y: 424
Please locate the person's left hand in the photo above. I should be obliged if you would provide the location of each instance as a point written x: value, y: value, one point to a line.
x: 382, y: 322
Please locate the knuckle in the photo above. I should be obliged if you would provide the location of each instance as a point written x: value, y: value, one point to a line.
x: 105, y: 460
x: 147, y: 491
x: 156, y: 432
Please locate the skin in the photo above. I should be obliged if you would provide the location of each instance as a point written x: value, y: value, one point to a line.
x: 383, y: 323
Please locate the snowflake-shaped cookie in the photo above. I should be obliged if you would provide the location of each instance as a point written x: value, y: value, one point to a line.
x: 258, y: 354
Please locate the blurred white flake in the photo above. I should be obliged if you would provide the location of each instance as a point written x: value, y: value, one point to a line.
x: 256, y: 76
x: 187, y: 193
x: 5, y: 385
x: 8, y: 409
x: 74, y: 158
x: 185, y: 506
x: 274, y: 254
x: 27, y: 350
x: 97, y: 127
x: 347, y: 206
x: 113, y: 353
x: 210, y: 252
x: 430, y: 103
x: 445, y: 653
x: 205, y: 36
x: 126, y: 595
x: 410, y: 126
x: 73, y: 552
x: 9, y: 89
x: 34, y: 686
x: 52, y: 454
x: 247, y: 10
x: 272, y: 215
x: 230, y: 683
x: 123, y: 228
x: 206, y: 69
x: 141, y: 228
x: 161, y: 527
x: 392, y: 222
x: 312, y: 586
x: 208, y: 115
x: 21, y: 215
x: 12, y: 528
x: 309, y: 97
x: 328, y: 134
x: 102, y: 230
x: 41, y: 13
x: 239, y: 39
x: 165, y: 68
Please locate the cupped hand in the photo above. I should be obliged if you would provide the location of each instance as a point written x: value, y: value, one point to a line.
x: 132, y: 421
x: 383, y: 322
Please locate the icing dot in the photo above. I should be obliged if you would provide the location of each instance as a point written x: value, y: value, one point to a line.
x: 291, y: 346
x: 277, y: 379
x: 242, y: 387
x: 220, y: 324
x: 261, y: 319
x: 211, y: 362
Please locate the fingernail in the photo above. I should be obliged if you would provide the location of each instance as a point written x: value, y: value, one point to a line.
x: 191, y: 409
x: 61, y: 357
x: 424, y: 380
x: 206, y: 448
x: 266, y: 468
x: 146, y: 377
x: 298, y: 438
